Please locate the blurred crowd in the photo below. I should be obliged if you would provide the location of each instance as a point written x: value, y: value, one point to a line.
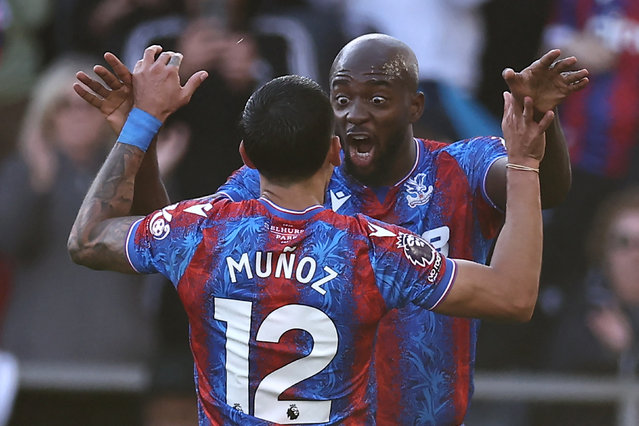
x: 55, y: 313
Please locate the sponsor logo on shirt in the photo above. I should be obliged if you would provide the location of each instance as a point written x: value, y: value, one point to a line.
x: 284, y: 232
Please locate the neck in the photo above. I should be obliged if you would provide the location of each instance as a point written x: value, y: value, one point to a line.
x: 295, y: 196
x: 404, y: 161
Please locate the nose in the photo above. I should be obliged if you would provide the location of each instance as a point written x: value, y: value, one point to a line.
x: 357, y: 112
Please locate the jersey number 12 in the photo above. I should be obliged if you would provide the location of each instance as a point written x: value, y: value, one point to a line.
x: 267, y: 405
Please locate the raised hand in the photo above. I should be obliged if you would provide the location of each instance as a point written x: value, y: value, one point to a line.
x: 525, y: 139
x: 548, y: 80
x: 114, y: 100
x: 156, y: 83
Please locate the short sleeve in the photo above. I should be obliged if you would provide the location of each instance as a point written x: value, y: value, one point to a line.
x: 166, y: 240
x: 407, y: 268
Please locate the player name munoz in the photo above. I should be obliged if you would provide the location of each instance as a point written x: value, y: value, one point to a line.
x: 286, y: 264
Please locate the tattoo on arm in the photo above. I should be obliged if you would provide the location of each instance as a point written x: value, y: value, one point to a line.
x: 99, y: 233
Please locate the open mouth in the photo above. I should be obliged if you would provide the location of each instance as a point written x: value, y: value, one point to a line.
x: 361, y: 149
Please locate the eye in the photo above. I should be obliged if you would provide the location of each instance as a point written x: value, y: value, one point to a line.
x: 341, y: 100
x: 378, y: 100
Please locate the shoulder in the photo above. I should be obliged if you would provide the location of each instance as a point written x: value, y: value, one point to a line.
x: 244, y: 183
x: 464, y: 148
x: 192, y: 211
x: 430, y: 145
x: 375, y: 230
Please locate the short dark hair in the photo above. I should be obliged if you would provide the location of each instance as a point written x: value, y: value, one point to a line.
x: 286, y: 127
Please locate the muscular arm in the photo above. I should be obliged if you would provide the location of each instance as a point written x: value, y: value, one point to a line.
x: 548, y: 81
x: 98, y: 235
x: 507, y: 288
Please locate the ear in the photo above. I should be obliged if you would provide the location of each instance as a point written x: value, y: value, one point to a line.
x: 416, y: 106
x: 245, y: 157
x: 334, y: 151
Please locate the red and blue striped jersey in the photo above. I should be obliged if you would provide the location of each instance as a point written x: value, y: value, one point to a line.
x: 283, y: 306
x: 601, y: 122
x: 443, y: 199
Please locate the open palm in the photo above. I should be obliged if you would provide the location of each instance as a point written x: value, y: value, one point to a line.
x: 114, y: 100
x: 547, y: 81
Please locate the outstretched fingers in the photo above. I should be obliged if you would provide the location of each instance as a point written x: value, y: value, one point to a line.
x: 564, y: 64
x: 92, y: 83
x: 89, y: 97
x: 108, y: 77
x: 576, y: 79
x: 120, y: 70
x: 549, y: 58
x: 580, y: 84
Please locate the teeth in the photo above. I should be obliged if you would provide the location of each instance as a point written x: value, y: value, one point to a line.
x: 359, y: 138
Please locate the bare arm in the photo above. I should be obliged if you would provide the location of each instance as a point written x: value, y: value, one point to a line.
x: 100, y: 229
x: 507, y: 289
x: 98, y: 235
x: 115, y: 101
x: 548, y: 81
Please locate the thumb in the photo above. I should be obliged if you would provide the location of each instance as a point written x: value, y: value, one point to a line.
x: 194, y: 82
x: 507, y: 73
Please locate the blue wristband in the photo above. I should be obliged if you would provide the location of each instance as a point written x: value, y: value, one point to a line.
x: 140, y: 129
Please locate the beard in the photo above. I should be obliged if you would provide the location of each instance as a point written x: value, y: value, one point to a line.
x: 380, y: 170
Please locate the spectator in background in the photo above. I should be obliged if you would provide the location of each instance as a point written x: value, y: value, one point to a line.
x: 598, y: 333
x: 601, y: 123
x: 22, y: 60
x: 59, y: 313
x: 448, y: 39
x: 94, y: 26
x: 231, y: 58
x: 241, y: 44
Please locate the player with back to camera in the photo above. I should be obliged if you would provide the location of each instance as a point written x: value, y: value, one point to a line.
x: 449, y: 194
x: 283, y: 295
